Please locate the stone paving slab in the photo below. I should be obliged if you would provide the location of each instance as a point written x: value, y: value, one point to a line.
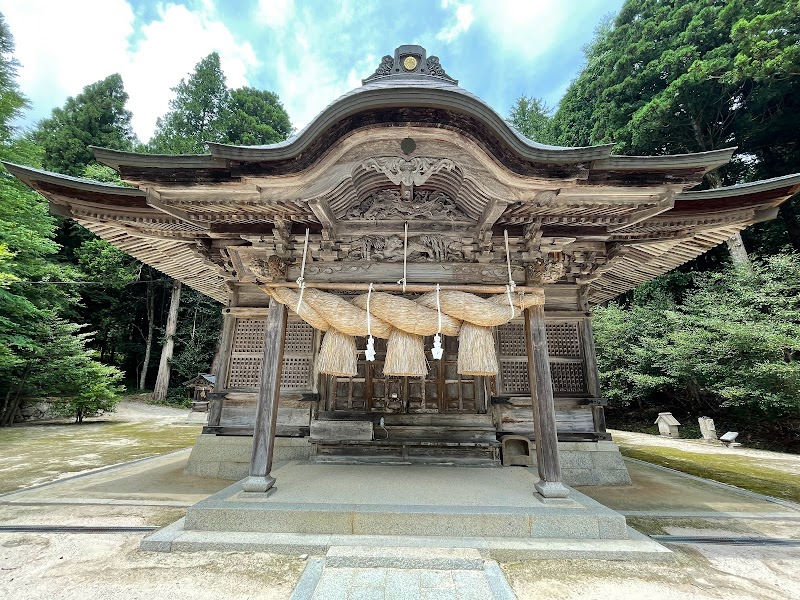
x: 331, y: 579
x: 404, y: 557
x: 637, y: 547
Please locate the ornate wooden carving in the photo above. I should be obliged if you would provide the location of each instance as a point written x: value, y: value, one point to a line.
x: 415, y: 171
x: 390, y: 249
x: 271, y: 268
x: 389, y: 204
x: 545, y: 270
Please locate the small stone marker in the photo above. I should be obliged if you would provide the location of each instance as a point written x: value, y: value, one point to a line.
x: 707, y: 429
x: 729, y: 439
x: 667, y: 425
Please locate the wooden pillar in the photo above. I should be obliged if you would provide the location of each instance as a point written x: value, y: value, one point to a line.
x: 593, y: 378
x: 269, y: 388
x: 216, y: 399
x: 544, y: 415
x: 590, y: 358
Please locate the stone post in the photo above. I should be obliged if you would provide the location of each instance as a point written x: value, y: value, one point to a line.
x: 269, y: 388
x: 544, y: 416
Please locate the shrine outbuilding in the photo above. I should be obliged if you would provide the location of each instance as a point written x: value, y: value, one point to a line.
x: 409, y: 280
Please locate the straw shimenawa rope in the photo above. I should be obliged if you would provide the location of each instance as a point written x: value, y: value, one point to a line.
x: 404, y: 322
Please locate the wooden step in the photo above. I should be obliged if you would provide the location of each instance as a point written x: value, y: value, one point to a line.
x: 473, y: 455
x: 429, y: 419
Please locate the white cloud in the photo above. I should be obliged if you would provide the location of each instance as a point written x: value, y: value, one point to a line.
x: 274, y: 13
x: 293, y: 74
x: 462, y: 20
x: 530, y: 26
x: 169, y: 49
x: 64, y: 46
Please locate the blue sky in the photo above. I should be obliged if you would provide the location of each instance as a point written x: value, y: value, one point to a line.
x: 309, y: 52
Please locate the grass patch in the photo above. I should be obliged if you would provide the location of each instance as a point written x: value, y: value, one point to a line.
x: 741, y: 471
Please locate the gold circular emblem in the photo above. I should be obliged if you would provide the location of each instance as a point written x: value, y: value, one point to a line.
x: 409, y: 63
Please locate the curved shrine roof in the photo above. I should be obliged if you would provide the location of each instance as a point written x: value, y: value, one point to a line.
x: 410, y: 145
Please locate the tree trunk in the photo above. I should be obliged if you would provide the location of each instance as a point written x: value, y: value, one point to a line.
x: 150, y: 329
x: 162, y: 380
x: 217, y: 352
x: 735, y: 244
x: 10, y: 409
x: 738, y: 251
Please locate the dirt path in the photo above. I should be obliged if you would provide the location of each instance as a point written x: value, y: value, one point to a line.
x: 32, y: 454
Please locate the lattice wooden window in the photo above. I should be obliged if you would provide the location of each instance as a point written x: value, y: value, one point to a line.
x: 566, y: 361
x: 567, y: 377
x: 298, y: 357
x: 563, y: 340
x: 515, y: 377
x: 248, y: 352
x: 511, y: 337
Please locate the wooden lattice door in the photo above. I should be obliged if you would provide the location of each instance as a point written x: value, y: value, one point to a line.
x: 443, y: 390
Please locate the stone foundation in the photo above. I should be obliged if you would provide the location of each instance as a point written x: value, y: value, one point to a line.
x: 228, y: 457
x: 592, y: 463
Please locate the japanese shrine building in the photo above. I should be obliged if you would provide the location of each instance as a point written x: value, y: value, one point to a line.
x: 410, y: 147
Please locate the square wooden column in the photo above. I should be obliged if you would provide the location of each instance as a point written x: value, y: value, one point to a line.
x: 269, y: 388
x: 225, y: 345
x: 544, y: 414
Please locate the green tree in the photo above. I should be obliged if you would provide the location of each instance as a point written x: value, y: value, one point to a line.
x: 532, y: 118
x: 77, y: 386
x: 255, y: 117
x: 197, y: 113
x: 728, y: 347
x: 204, y: 110
x: 95, y: 117
x: 670, y: 78
x: 34, y: 336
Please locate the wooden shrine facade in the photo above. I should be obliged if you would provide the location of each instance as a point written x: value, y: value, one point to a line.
x: 482, y: 204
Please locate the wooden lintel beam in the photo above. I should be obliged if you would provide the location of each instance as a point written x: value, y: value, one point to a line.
x: 492, y: 211
x: 411, y: 287
x: 323, y: 212
x: 154, y: 200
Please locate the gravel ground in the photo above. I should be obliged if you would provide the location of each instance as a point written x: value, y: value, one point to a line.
x: 110, y: 566
x: 698, y: 572
x: 134, y: 430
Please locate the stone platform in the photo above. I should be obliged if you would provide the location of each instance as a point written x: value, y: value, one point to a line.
x: 228, y: 457
x: 316, y: 507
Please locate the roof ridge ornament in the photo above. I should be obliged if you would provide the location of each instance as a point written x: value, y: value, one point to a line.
x: 410, y: 62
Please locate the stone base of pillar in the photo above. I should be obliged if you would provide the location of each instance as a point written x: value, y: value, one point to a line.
x: 264, y: 485
x: 551, y: 489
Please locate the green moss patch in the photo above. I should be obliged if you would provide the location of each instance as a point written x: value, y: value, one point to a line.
x: 742, y: 471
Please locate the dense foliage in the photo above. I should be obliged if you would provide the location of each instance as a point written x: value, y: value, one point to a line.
x: 667, y: 78
x: 724, y: 344
x: 44, y: 351
x: 41, y: 352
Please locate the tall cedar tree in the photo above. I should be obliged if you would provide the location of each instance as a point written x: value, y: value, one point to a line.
x: 204, y: 110
x: 41, y: 353
x: 196, y: 113
x: 95, y: 117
